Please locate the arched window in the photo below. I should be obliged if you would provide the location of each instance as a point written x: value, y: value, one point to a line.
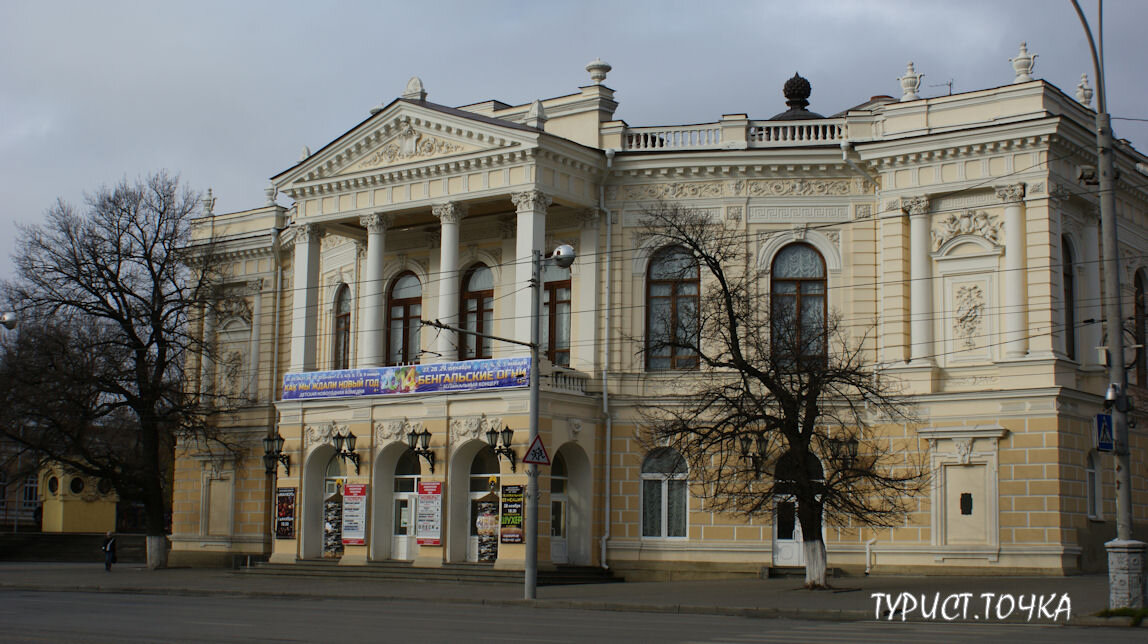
x: 664, y: 494
x: 484, y: 478
x: 1069, y: 299
x: 477, y: 313
x: 342, y: 346
x: 672, y: 288
x: 1092, y: 485
x: 407, y: 472
x: 797, y: 303
x: 1141, y: 321
x: 556, y: 314
x: 404, y: 318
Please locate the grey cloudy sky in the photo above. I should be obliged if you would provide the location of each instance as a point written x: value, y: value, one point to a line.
x: 226, y: 94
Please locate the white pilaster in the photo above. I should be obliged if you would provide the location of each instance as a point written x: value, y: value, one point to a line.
x: 921, y: 282
x: 584, y: 296
x: 305, y: 311
x: 373, y: 306
x: 206, y: 364
x: 531, y: 236
x: 1015, y: 299
x: 1090, y: 334
x: 256, y: 289
x: 449, y: 214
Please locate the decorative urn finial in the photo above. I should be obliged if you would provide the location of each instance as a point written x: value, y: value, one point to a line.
x: 1023, y: 64
x: 796, y: 91
x: 910, y: 83
x: 1084, y: 92
x: 208, y: 203
x: 598, y: 69
x: 415, y: 90
x: 272, y: 192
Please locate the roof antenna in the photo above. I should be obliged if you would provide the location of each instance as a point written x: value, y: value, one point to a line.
x: 948, y: 84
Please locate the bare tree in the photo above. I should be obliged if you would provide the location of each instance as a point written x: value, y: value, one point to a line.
x: 786, y: 406
x: 94, y: 378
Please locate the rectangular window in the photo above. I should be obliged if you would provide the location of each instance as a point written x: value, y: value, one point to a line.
x: 651, y: 508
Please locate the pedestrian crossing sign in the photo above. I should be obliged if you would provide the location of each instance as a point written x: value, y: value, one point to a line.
x: 537, y: 454
x: 1104, y: 439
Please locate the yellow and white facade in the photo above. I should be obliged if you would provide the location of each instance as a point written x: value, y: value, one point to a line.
x: 953, y: 227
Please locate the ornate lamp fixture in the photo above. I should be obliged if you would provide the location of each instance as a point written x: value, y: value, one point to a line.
x: 753, y: 449
x: 843, y: 451
x: 419, y: 442
x: 348, y: 441
x: 507, y: 435
x: 273, y: 454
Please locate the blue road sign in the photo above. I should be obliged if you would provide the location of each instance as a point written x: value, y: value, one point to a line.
x: 1104, y: 438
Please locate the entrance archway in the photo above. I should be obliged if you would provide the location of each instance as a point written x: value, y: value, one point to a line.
x: 322, y: 509
x: 571, y: 498
x: 788, y: 540
x: 396, y: 474
x: 474, y: 473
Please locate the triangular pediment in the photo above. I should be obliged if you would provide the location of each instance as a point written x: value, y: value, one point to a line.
x: 409, y: 144
x: 402, y: 134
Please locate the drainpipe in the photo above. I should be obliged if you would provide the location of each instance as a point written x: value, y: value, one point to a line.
x: 607, y: 218
x: 868, y: 554
x: 846, y: 148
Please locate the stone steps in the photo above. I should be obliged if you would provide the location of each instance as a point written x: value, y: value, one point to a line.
x: 451, y: 572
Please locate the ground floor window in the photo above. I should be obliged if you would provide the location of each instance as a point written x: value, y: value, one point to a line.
x: 664, y: 494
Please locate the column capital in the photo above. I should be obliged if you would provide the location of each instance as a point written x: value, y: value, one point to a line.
x: 1011, y: 193
x: 308, y: 232
x: 531, y: 201
x: 449, y: 213
x: 915, y: 205
x: 376, y: 222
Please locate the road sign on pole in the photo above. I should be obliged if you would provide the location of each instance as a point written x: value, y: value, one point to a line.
x: 537, y: 454
x: 1105, y: 442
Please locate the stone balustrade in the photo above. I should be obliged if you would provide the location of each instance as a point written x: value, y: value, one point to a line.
x: 564, y: 381
x: 734, y: 134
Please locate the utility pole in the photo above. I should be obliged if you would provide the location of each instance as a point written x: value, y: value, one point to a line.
x: 1126, y: 578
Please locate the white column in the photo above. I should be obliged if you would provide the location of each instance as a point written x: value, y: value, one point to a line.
x: 449, y: 214
x: 305, y: 311
x: 256, y: 289
x: 372, y: 304
x: 1015, y: 299
x: 921, y: 283
x: 1090, y: 334
x: 531, y: 235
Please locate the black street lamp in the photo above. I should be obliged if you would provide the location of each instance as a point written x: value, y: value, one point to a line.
x: 345, y: 445
x: 419, y: 442
x: 753, y: 449
x: 507, y: 435
x: 273, y: 454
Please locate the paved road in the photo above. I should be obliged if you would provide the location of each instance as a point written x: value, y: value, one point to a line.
x: 27, y: 616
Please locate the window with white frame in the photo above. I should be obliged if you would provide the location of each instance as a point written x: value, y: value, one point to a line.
x: 341, y: 349
x: 1092, y: 485
x: 31, y: 498
x: 664, y: 494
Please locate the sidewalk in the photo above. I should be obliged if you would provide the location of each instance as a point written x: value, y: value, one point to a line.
x: 850, y: 600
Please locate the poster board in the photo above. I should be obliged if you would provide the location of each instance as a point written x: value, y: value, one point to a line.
x: 511, y: 522
x: 428, y: 515
x: 354, y: 514
x: 285, y: 513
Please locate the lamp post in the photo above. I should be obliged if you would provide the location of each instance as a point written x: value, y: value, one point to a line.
x: 563, y: 257
x: 507, y: 436
x: 8, y: 320
x: 1126, y: 579
x: 419, y: 442
x: 345, y: 446
x: 273, y: 454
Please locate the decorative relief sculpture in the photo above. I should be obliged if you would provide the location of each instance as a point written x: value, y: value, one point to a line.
x: 862, y: 211
x: 675, y: 190
x: 410, y: 144
x: 322, y: 434
x: 969, y: 222
x: 798, y: 187
x: 970, y: 308
x: 393, y: 430
x: 472, y: 427
x: 233, y: 305
x: 733, y: 215
x: 964, y: 449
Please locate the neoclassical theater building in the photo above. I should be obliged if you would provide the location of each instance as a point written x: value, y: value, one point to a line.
x: 961, y: 229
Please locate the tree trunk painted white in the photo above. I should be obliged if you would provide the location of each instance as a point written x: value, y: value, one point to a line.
x: 814, y: 562
x: 156, y: 552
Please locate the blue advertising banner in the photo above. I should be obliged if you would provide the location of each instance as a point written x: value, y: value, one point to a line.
x: 471, y: 375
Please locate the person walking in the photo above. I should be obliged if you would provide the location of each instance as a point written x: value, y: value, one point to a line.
x: 109, y: 549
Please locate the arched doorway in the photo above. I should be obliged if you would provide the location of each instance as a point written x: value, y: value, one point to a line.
x: 396, y: 475
x: 570, y: 505
x: 788, y: 541
x: 323, y: 479
x: 485, y: 474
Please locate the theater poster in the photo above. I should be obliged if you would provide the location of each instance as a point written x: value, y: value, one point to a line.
x: 354, y: 514
x: 285, y: 513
